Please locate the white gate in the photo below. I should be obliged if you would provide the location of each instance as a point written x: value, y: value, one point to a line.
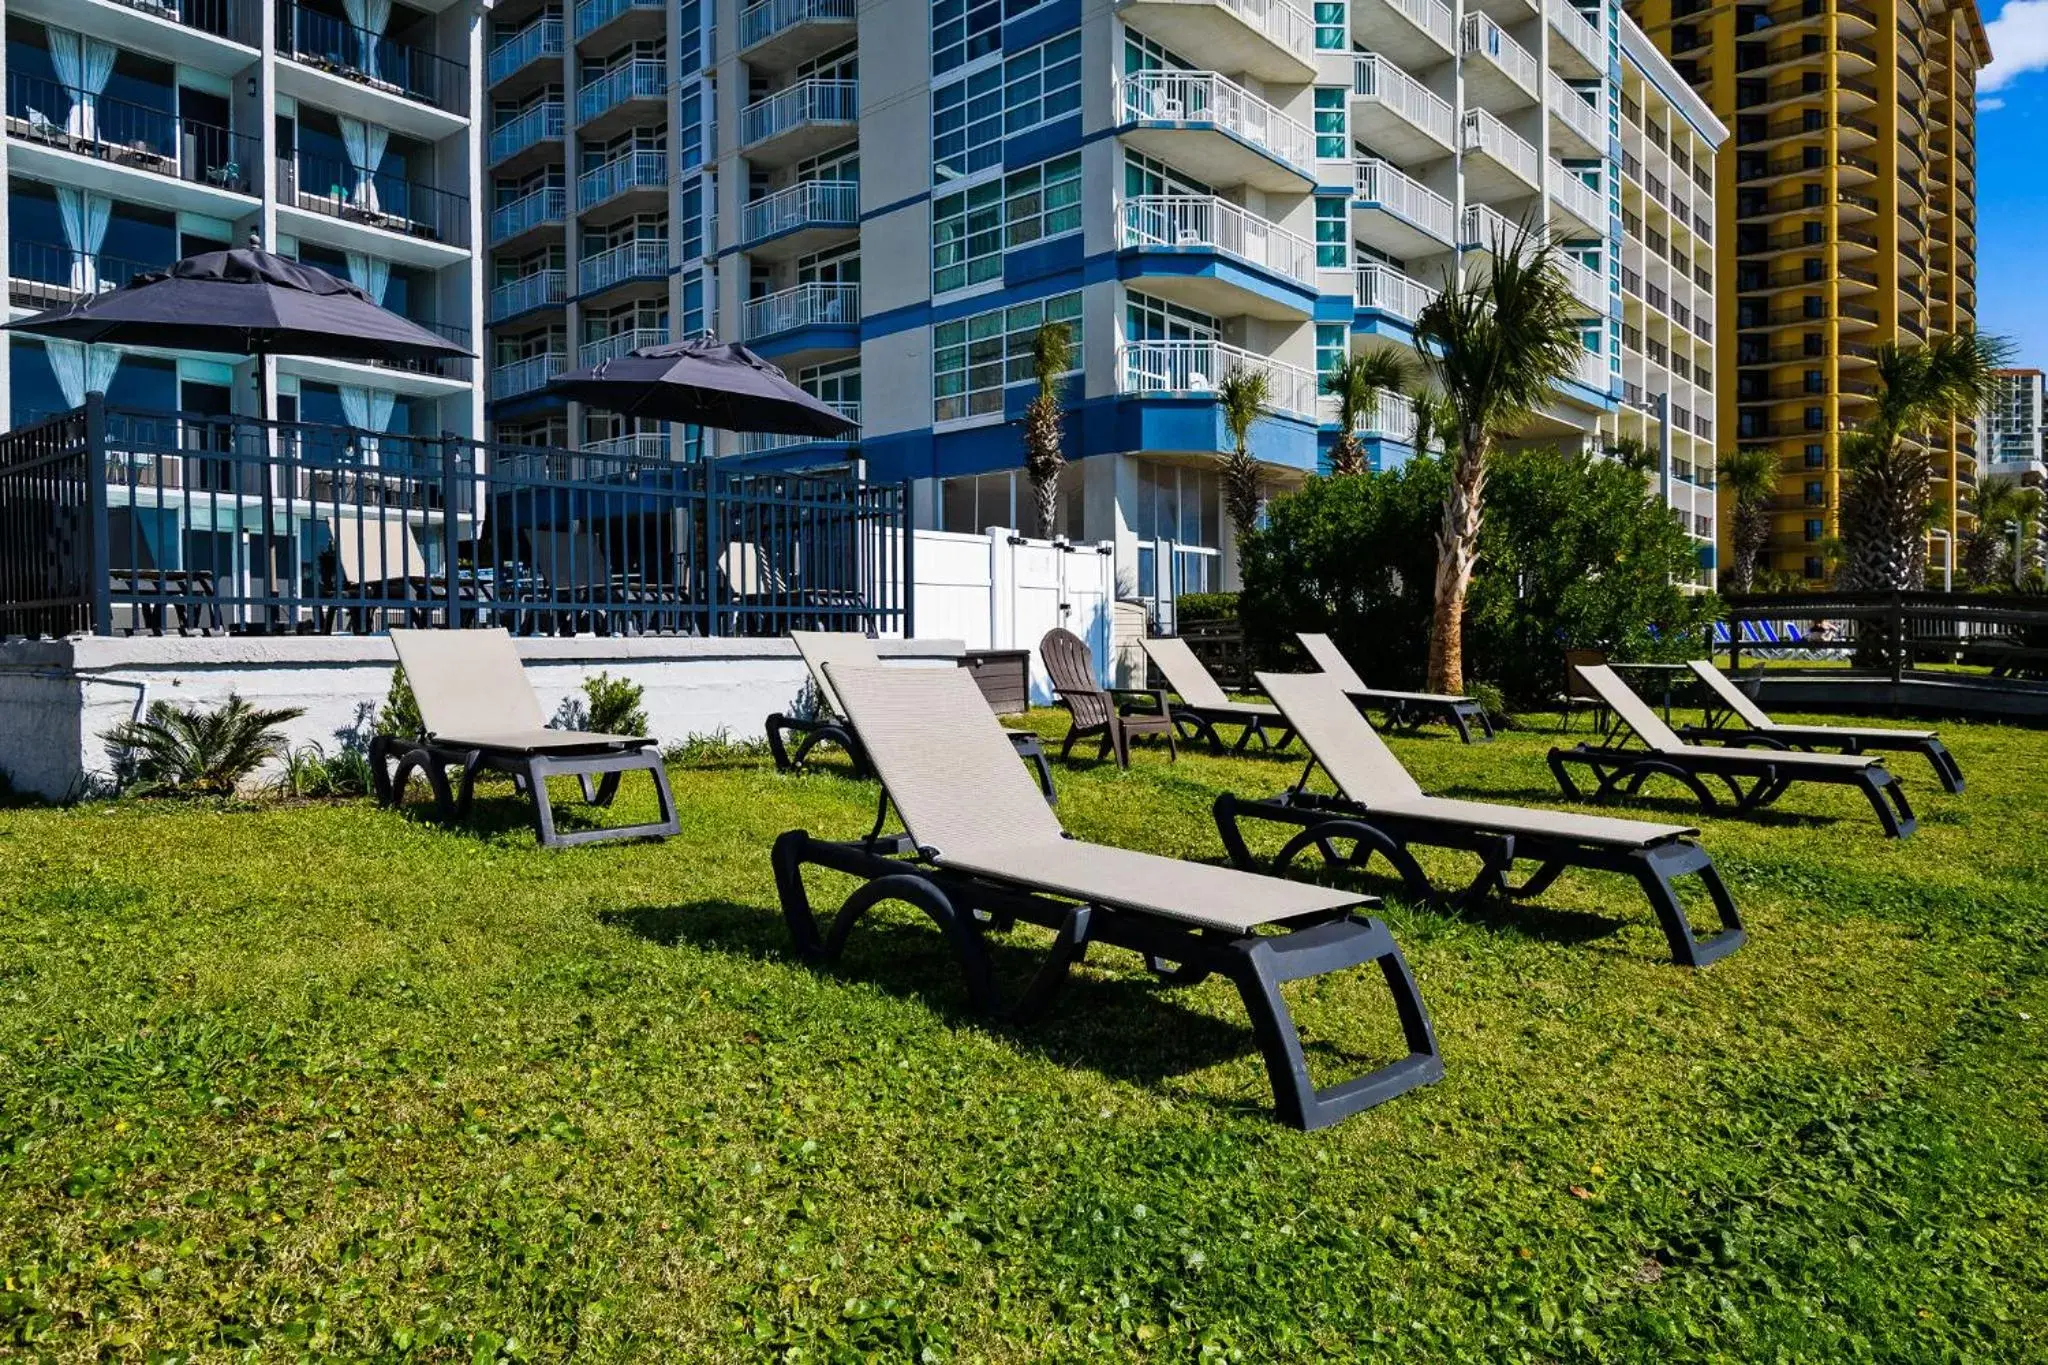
x: 1003, y: 591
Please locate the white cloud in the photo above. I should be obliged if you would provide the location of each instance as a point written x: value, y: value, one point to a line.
x: 2019, y: 44
x: 1986, y: 105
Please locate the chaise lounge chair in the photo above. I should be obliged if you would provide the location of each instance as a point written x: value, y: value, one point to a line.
x: 847, y: 648
x: 480, y: 715
x: 981, y: 850
x: 1763, y: 732
x: 1624, y: 770
x: 1403, y: 710
x: 1204, y: 705
x: 1114, y: 713
x: 1379, y: 809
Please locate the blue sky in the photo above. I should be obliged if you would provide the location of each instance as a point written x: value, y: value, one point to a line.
x: 2012, y: 180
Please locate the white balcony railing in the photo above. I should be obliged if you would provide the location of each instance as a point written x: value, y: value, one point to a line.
x: 1390, y: 416
x: 1488, y: 135
x: 1431, y: 16
x: 549, y: 204
x: 760, y: 442
x: 642, y: 258
x: 541, y: 123
x: 640, y: 169
x: 1386, y: 186
x: 1283, y: 24
x: 1578, y: 114
x: 542, y: 38
x: 1388, y: 290
x: 1484, y: 229
x: 618, y: 344
x: 1589, y: 286
x: 808, y: 101
x: 1594, y: 372
x: 538, y: 290
x: 1204, y: 222
x: 809, y: 203
x: 769, y: 17
x: 1379, y: 81
x: 1585, y: 203
x: 1578, y: 31
x: 807, y: 305
x: 1199, y: 366
x: 1205, y: 97
x: 634, y: 445
x: 643, y: 78
x: 525, y: 376
x: 1483, y: 37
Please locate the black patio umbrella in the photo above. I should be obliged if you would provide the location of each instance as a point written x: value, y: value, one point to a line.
x: 704, y: 383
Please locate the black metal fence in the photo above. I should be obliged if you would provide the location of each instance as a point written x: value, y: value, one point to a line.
x: 116, y: 522
x: 1892, y: 631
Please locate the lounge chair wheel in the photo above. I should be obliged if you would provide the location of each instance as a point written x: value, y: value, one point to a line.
x: 1365, y: 842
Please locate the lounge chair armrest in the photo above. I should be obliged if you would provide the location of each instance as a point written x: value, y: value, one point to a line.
x: 1141, y: 700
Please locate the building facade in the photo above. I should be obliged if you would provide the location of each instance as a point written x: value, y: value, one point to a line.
x: 889, y: 201
x: 1852, y: 223
x: 337, y: 132
x: 2012, y: 426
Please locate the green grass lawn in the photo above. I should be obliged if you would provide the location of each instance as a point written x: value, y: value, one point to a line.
x: 319, y: 1079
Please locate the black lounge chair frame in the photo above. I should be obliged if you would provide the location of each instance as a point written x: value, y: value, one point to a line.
x: 1617, y: 770
x: 1795, y: 739
x: 1412, y: 713
x: 1327, y: 821
x: 831, y: 730
x: 967, y: 908
x: 1197, y: 723
x: 393, y: 762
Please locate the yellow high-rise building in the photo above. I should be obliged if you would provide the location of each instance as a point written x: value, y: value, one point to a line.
x: 1847, y: 219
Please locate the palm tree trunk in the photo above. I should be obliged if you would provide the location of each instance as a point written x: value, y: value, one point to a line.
x: 1457, y: 551
x: 1048, y: 490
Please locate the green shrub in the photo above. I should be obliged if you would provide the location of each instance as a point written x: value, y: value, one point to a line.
x: 400, y: 718
x: 613, y: 705
x: 311, y: 771
x: 191, y: 751
x: 1205, y: 606
x: 715, y: 750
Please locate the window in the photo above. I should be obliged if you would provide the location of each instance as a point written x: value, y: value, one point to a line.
x: 1813, y: 528
x: 1043, y: 201
x: 967, y: 237
x: 1150, y: 319
x: 1332, y: 33
x: 973, y: 358
x: 964, y: 30
x: 1813, y: 569
x: 1143, y: 175
x: 690, y: 127
x: 1332, y: 340
x: 1142, y: 54
x: 1042, y: 84
x: 1333, y: 234
x: 1330, y: 140
x: 970, y: 116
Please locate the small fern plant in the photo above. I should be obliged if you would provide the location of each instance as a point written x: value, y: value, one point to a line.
x: 195, y: 751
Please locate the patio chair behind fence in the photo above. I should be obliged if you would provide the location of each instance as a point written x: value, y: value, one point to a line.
x: 114, y: 521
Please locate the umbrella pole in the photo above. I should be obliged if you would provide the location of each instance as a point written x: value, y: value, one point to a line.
x: 269, y: 467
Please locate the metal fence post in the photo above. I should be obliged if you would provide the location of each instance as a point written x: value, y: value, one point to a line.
x: 909, y: 532
x: 96, y: 514
x: 711, y: 547
x: 451, y: 575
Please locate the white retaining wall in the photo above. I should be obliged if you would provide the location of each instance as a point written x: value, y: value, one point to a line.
x: 57, y: 697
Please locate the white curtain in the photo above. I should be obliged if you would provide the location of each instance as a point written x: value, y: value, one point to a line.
x: 368, y: 411
x: 369, y: 17
x: 81, y: 369
x: 365, y: 143
x: 369, y: 274
x: 84, y: 217
x: 83, y: 64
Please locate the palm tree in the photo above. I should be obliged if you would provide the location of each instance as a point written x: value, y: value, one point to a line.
x: 1357, y: 383
x: 1497, y: 348
x: 1434, y: 420
x: 1890, y: 484
x: 1750, y: 477
x: 1052, y: 355
x: 1244, y: 393
x: 2002, y: 503
x: 190, y: 751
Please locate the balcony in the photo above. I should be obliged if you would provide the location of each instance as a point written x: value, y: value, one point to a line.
x: 1216, y: 130
x: 1416, y: 34
x: 350, y: 70
x: 220, y: 36
x: 798, y: 121
x: 643, y: 259
x: 1583, y: 52
x: 542, y: 289
x: 781, y: 34
x: 537, y: 42
x: 527, y: 135
x: 1486, y: 231
x: 1499, y: 162
x: 1583, y: 131
x: 637, y: 174
x: 1194, y: 368
x: 1383, y: 289
x: 128, y: 151
x: 1583, y: 205
x: 617, y: 344
x: 1588, y: 286
x: 402, y: 220
x: 1400, y: 116
x: 800, y: 218
x: 592, y: 16
x: 544, y: 207
x: 807, y: 306
x: 1499, y: 72
x: 1205, y: 242
x: 1397, y: 214
x: 526, y: 376
x: 764, y: 442
x: 49, y: 275
x: 638, y: 81
x: 1389, y: 417
x: 634, y: 445
x: 1270, y: 39
x: 1594, y: 372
